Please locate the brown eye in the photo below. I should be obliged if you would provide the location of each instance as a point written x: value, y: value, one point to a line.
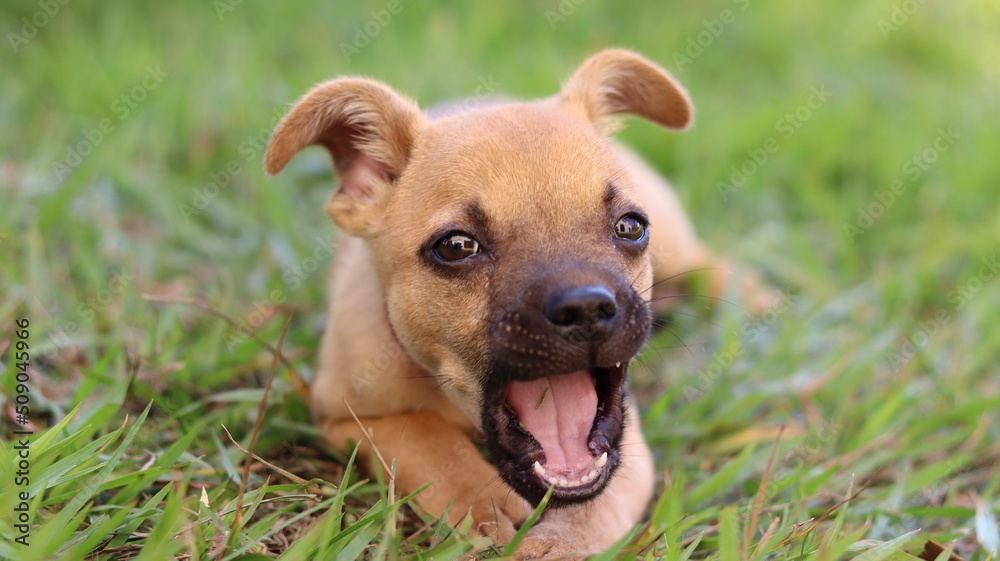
x: 455, y: 247
x: 631, y: 228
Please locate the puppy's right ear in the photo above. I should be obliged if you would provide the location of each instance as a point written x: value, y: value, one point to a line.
x: 369, y: 130
x: 617, y: 81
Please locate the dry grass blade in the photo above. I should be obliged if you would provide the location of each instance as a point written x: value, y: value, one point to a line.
x: 301, y: 386
x: 258, y: 424
x: 766, y: 537
x: 758, y: 502
x: 385, y: 466
x: 310, y: 487
x: 700, y: 534
x: 797, y: 531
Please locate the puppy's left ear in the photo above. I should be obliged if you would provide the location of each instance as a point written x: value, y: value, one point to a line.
x: 618, y: 81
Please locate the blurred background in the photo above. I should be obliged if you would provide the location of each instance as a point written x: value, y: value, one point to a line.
x: 847, y: 151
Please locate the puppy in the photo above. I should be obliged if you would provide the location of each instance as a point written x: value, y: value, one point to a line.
x: 489, y: 292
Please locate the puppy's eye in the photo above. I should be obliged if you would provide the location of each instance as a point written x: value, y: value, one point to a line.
x: 455, y: 247
x: 632, y: 228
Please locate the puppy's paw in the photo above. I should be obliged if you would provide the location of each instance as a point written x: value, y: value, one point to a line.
x: 494, y: 523
x: 547, y: 543
x: 498, y: 514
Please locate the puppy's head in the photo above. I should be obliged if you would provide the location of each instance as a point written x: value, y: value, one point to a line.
x: 511, y: 251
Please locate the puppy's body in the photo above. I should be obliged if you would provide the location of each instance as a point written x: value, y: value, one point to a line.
x: 490, y: 258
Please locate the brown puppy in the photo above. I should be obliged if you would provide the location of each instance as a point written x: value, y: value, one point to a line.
x: 491, y: 290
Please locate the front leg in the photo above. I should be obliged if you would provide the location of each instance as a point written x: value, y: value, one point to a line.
x: 428, y: 449
x: 592, y: 527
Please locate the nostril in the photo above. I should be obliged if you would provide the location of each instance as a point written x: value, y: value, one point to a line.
x: 565, y: 315
x: 608, y: 309
x: 580, y: 305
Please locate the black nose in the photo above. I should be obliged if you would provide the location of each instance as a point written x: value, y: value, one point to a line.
x: 585, y: 310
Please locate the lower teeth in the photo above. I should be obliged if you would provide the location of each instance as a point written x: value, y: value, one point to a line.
x: 560, y: 481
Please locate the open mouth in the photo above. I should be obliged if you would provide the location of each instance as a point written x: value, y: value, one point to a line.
x: 560, y: 431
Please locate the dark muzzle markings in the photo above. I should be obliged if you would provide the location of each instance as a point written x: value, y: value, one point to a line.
x: 554, y: 412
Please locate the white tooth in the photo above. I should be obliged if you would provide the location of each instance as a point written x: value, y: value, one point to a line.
x: 618, y: 365
x: 601, y: 461
x: 590, y: 476
x: 539, y: 469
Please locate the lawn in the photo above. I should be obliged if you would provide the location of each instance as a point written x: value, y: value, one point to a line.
x: 148, y: 268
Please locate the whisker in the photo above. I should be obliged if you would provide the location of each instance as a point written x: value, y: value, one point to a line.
x: 679, y: 340
x: 731, y: 303
x: 662, y: 324
x: 493, y: 479
x: 696, y: 316
x: 688, y: 272
x: 632, y: 281
x: 609, y: 491
x: 620, y: 174
x: 667, y: 347
x: 421, y: 402
x: 657, y: 381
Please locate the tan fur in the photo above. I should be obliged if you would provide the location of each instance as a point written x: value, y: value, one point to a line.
x: 406, y: 348
x: 618, y: 81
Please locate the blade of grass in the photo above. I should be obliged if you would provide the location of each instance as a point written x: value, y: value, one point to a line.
x: 729, y: 536
x: 884, y: 550
x: 70, y: 510
x: 721, y: 478
x: 512, y: 546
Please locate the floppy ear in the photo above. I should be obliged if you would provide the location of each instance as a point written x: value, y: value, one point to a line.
x: 618, y: 81
x: 369, y: 130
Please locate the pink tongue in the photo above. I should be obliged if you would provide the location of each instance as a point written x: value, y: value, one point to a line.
x: 559, y: 412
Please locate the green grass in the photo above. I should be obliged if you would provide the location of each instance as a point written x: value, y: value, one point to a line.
x: 882, y: 370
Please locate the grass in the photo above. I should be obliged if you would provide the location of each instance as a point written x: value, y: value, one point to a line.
x: 857, y: 421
